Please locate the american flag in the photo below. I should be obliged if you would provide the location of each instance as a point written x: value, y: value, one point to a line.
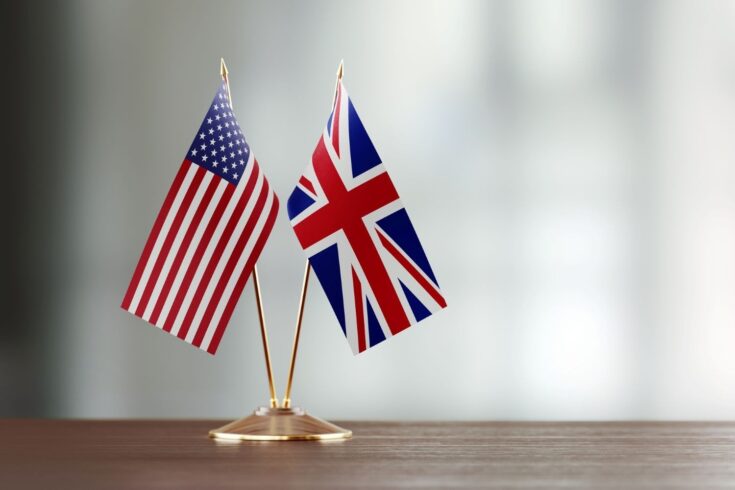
x: 359, y: 239
x: 208, y: 235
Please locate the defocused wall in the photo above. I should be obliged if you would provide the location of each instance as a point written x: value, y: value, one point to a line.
x: 568, y: 165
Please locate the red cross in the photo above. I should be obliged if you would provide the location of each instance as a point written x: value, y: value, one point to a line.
x: 344, y: 211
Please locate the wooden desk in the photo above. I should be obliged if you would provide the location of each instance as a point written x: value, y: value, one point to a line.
x: 178, y: 454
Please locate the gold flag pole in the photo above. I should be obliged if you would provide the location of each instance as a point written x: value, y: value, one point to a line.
x: 304, y: 286
x: 296, y: 336
x: 276, y: 423
x: 256, y: 282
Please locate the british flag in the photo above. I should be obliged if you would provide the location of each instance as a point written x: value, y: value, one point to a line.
x: 359, y: 239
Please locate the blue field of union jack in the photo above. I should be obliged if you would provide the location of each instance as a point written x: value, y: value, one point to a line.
x: 359, y: 239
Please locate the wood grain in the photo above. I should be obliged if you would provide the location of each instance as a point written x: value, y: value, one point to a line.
x: 178, y: 454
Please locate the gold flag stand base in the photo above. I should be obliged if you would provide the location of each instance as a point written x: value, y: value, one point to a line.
x: 280, y: 424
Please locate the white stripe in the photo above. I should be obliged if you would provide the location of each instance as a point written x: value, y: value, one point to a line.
x: 176, y: 244
x: 341, y: 165
x: 195, y: 241
x: 238, y: 270
x: 398, y: 272
x: 371, y: 219
x: 346, y: 259
x: 222, y: 260
x: 393, y: 268
x: 161, y: 237
x: 367, y: 175
x: 367, y: 290
x: 386, y: 254
x: 210, y: 250
x: 344, y: 163
x: 321, y: 198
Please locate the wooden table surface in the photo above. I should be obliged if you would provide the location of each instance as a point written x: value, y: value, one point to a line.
x: 60, y: 454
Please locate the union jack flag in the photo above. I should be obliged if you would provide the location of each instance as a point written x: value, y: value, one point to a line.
x: 359, y: 239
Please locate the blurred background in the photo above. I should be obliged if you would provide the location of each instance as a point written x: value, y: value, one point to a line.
x: 568, y: 165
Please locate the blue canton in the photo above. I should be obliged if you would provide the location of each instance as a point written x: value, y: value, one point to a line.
x: 219, y: 145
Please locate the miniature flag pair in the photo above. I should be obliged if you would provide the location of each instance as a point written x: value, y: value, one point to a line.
x: 345, y: 212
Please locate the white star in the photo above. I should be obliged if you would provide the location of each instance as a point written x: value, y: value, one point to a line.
x: 203, y: 147
x: 246, y: 150
x: 214, y: 163
x: 193, y: 152
x: 221, y: 137
x: 242, y: 162
x: 234, y: 165
x: 211, y: 142
x: 222, y: 148
x: 211, y: 130
x: 201, y: 136
x: 239, y: 152
x: 236, y: 176
x: 230, y: 144
x: 232, y: 154
x: 224, y: 170
x: 224, y: 159
x: 217, y: 117
x: 216, y: 107
x: 229, y: 134
x: 227, y: 125
x: 204, y: 158
x: 209, y: 120
x: 219, y: 128
x: 238, y: 142
x: 214, y: 152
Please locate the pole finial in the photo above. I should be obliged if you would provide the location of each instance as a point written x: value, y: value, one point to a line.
x: 223, y: 68
x: 224, y: 72
x: 340, y: 72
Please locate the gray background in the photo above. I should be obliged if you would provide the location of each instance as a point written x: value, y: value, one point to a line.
x: 568, y: 165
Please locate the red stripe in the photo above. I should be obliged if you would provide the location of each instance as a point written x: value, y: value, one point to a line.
x: 357, y: 287
x: 237, y: 291
x: 184, y: 247
x: 239, y: 247
x: 197, y: 258
x: 307, y: 183
x: 433, y: 292
x: 154, y: 234
x: 377, y: 276
x: 335, y: 122
x: 343, y: 204
x: 217, y: 254
x: 175, y: 225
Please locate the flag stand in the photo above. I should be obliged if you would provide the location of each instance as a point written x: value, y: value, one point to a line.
x: 278, y: 423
